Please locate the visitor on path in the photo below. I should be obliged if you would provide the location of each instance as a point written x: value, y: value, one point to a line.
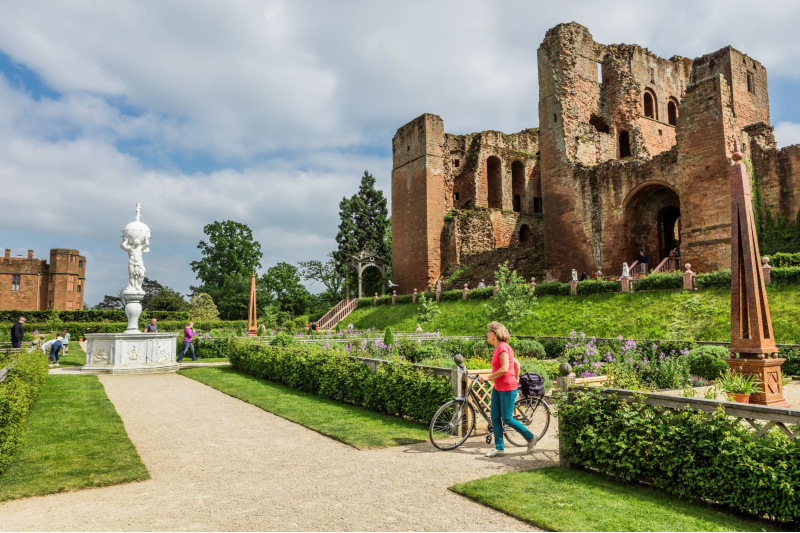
x: 584, y: 276
x: 675, y: 252
x: 65, y: 342
x: 152, y: 327
x: 481, y: 285
x: 47, y: 345
x: 642, y: 262
x: 55, y: 350
x: 16, y: 333
x: 188, y: 337
x: 505, y: 374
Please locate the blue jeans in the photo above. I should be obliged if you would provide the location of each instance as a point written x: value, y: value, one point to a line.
x: 187, y: 346
x: 503, y: 414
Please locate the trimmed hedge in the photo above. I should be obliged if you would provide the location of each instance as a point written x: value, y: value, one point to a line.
x: 90, y: 315
x: 660, y: 281
x: 597, y: 286
x: 785, y: 275
x: 78, y: 329
x: 791, y: 366
x: 708, y: 361
x: 684, y: 453
x: 781, y: 259
x: 720, y: 279
x: 554, y: 288
x: 18, y: 391
x: 396, y: 389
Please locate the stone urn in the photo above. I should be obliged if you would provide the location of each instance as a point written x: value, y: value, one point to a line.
x: 565, y: 369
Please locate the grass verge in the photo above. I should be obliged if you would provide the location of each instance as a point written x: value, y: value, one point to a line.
x: 352, y: 425
x: 559, y: 499
x: 74, y: 439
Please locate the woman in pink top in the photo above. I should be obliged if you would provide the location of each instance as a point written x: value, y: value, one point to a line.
x: 188, y: 337
x: 505, y: 373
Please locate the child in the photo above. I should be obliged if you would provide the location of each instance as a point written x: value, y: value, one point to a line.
x: 66, y: 343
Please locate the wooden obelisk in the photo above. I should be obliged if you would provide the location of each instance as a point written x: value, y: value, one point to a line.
x: 751, y: 325
x: 252, y: 321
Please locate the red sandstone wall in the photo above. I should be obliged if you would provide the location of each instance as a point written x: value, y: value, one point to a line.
x: 776, y: 170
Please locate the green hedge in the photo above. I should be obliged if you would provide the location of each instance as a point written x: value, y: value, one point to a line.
x: 708, y: 361
x: 396, y: 389
x: 660, y: 281
x: 17, y: 393
x: 720, y: 279
x: 555, y: 288
x: 791, y: 366
x: 684, y: 453
x: 78, y: 329
x: 785, y: 275
x: 781, y: 259
x: 597, y: 286
x: 90, y: 315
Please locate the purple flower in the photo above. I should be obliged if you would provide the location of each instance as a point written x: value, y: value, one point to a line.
x: 655, y: 347
x: 36, y: 332
x: 583, y: 335
x: 619, y: 338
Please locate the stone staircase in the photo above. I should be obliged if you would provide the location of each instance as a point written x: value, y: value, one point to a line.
x: 338, y: 313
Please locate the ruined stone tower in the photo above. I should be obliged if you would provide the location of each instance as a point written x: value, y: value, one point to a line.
x: 631, y: 153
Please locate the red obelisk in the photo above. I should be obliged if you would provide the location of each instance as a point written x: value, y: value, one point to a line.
x: 751, y: 326
x: 252, y: 322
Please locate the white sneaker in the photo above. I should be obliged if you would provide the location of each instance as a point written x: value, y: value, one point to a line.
x: 496, y: 453
x: 51, y: 365
x: 56, y: 364
x: 532, y: 443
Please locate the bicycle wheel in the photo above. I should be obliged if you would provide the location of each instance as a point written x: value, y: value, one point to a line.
x: 452, y: 424
x: 534, y: 413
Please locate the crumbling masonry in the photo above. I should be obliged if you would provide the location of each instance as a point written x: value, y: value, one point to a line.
x: 632, y: 152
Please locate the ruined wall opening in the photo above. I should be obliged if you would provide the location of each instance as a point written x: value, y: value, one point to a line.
x: 537, y: 205
x: 599, y: 124
x: 494, y: 183
x: 624, y: 144
x: 672, y: 112
x: 650, y: 108
x: 525, y: 234
x: 517, y: 184
x: 652, y: 219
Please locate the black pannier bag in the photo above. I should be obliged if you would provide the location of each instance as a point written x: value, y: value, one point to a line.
x: 531, y: 384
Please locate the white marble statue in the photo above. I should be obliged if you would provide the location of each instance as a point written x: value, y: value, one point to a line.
x: 574, y: 275
x: 136, y: 241
x: 625, y: 271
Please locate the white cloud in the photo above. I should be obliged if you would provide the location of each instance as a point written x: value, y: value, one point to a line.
x: 787, y: 133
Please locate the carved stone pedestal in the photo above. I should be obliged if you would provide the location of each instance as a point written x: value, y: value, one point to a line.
x: 131, y: 353
x: 768, y: 373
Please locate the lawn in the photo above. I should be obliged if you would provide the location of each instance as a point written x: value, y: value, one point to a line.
x: 352, y: 425
x: 75, y: 439
x: 690, y: 315
x: 559, y: 499
x: 76, y: 357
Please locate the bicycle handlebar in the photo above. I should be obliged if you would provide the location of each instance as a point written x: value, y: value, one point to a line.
x: 463, y: 370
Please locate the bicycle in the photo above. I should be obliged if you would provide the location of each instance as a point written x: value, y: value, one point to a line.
x: 454, y: 422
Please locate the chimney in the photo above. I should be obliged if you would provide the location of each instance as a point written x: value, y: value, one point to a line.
x: 30, y: 254
x: 8, y: 253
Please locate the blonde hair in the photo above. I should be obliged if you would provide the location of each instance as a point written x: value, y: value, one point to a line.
x: 499, y: 330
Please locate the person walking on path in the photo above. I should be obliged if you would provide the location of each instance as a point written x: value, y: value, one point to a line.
x: 55, y: 350
x: 16, y: 333
x: 188, y: 337
x: 505, y: 373
x: 65, y: 342
x: 152, y: 327
x: 642, y: 262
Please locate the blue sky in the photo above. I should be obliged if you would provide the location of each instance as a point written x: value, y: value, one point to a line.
x: 268, y: 112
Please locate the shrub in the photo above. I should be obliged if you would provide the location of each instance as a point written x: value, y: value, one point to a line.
x: 78, y: 329
x: 453, y: 295
x: 554, y: 288
x: 660, y: 281
x: 388, y: 337
x: 685, y: 453
x: 479, y: 294
x: 482, y: 348
x: 527, y: 348
x: 396, y: 389
x: 90, y: 315
x: 792, y: 364
x: 781, y: 259
x: 283, y: 339
x: 708, y: 361
x: 785, y: 275
x: 719, y: 279
x: 554, y: 347
x: 18, y: 391
x: 597, y: 286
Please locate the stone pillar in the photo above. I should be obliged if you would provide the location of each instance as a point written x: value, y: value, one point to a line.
x: 688, y: 278
x: 494, y: 290
x: 414, y: 296
x: 465, y: 291
x: 394, y: 297
x: 573, y: 286
x: 625, y: 284
x: 439, y: 290
x: 766, y: 269
x: 375, y: 299
x: 753, y: 349
x: 532, y: 286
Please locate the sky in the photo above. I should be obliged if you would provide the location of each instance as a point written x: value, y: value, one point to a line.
x: 269, y: 112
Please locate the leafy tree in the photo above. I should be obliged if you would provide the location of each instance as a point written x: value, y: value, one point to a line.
x: 364, y: 224
x: 514, y: 300
x: 428, y: 309
x: 150, y: 287
x: 231, y: 251
x: 330, y: 274
x: 167, y: 300
x: 282, y: 282
x: 233, y: 299
x: 110, y: 302
x: 202, y: 308
x: 54, y: 322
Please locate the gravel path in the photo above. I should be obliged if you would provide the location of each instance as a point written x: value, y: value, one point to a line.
x: 218, y: 463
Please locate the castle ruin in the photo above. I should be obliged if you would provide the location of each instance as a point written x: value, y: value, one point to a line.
x: 632, y: 152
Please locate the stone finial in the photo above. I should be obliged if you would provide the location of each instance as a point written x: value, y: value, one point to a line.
x: 688, y: 278
x: 394, y: 297
x: 765, y: 260
x: 465, y: 290
x: 532, y: 285
x: 375, y: 299
x: 414, y: 296
x: 766, y: 270
x: 737, y: 155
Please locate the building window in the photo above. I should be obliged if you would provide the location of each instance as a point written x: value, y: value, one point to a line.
x: 525, y: 233
x: 72, y: 259
x: 52, y: 282
x: 80, y: 264
x: 537, y: 204
x: 650, y: 109
x: 70, y: 283
x: 51, y: 304
x: 652, y: 75
x: 672, y: 112
x: 599, y: 72
x: 79, y: 288
x: 15, y: 282
x: 69, y: 306
x: 494, y: 183
x: 624, y: 144
x: 455, y: 196
x: 751, y: 86
x: 456, y: 162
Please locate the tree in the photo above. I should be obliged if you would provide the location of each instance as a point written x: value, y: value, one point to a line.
x: 167, y: 300
x: 282, y: 281
x: 110, y: 302
x: 151, y: 287
x: 231, y: 250
x: 364, y: 224
x: 330, y: 274
x: 514, y: 301
x: 202, y: 308
x: 428, y: 309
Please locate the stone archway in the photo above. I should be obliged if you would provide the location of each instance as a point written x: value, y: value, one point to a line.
x: 652, y: 214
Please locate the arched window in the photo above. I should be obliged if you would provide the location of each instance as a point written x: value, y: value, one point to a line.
x: 650, y: 107
x: 524, y: 233
x: 537, y: 205
x: 624, y: 144
x: 517, y: 184
x: 494, y: 183
x: 672, y: 111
